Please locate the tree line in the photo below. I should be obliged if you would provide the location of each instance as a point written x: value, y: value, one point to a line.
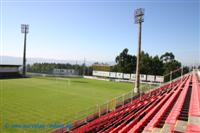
x: 153, y: 65
x: 48, y: 68
x: 125, y: 62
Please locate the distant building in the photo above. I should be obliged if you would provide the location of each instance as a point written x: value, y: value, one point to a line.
x: 68, y: 72
x: 9, y: 71
x: 101, y: 67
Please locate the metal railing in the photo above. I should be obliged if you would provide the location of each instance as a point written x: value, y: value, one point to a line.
x: 78, y: 119
x: 97, y: 111
x: 94, y: 112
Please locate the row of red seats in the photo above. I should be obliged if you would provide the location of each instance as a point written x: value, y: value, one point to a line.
x: 195, y: 99
x: 150, y: 99
x: 194, y: 110
x: 111, y: 117
x: 167, y: 105
x: 139, y: 126
x: 175, y: 112
x: 120, y: 123
x: 122, y: 115
x: 127, y: 114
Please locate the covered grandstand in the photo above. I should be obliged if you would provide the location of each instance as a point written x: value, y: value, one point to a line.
x: 173, y: 107
x: 9, y: 71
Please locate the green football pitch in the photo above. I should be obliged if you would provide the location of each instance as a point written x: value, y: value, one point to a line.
x: 47, y: 100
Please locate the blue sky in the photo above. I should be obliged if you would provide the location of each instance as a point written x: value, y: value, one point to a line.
x: 100, y: 30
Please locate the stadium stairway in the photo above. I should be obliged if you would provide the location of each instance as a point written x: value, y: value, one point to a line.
x: 173, y: 107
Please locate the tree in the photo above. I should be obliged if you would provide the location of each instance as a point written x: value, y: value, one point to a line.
x: 186, y: 69
x: 126, y: 63
x: 153, y: 65
x: 48, y: 68
x: 167, y: 57
x: 171, y: 66
x: 157, y: 66
x: 145, y: 63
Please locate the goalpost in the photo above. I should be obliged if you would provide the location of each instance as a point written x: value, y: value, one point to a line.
x: 66, y: 80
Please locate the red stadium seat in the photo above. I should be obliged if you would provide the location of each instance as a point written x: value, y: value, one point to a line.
x: 163, y: 105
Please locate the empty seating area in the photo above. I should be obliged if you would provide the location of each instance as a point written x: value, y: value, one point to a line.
x: 9, y: 71
x: 193, y: 124
x: 173, y: 107
x: 10, y: 75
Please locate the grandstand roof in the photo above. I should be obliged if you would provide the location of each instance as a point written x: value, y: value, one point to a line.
x: 7, y: 65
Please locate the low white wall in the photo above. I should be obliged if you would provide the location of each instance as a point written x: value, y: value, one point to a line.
x: 117, y: 80
x: 128, y: 76
x: 198, y: 73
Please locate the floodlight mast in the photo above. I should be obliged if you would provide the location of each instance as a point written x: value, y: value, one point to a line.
x: 84, y: 67
x: 24, y: 30
x: 139, y: 13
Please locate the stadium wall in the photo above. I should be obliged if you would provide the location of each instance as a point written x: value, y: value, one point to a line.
x: 128, y: 76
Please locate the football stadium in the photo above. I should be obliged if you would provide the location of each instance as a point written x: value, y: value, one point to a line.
x: 144, y: 90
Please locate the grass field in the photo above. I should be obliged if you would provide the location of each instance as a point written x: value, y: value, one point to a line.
x: 51, y: 100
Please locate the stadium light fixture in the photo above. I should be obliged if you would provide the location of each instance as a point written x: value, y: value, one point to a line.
x: 24, y: 30
x: 138, y: 14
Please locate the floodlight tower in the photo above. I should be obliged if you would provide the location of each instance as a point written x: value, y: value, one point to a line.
x: 139, y: 13
x: 84, y: 67
x: 24, y: 30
